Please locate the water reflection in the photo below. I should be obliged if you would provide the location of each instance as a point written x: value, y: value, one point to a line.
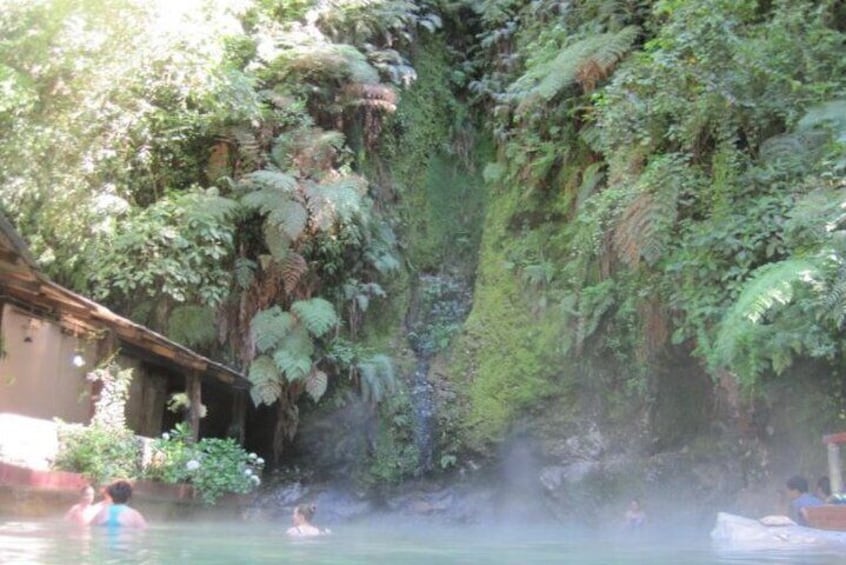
x: 413, y: 543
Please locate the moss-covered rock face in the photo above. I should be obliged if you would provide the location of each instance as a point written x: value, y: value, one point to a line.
x: 428, y: 153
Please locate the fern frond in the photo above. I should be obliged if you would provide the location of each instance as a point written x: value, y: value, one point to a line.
x: 269, y: 327
x: 293, y: 267
x: 376, y: 96
x: 191, y: 325
x: 377, y: 378
x: 829, y: 116
x: 584, y: 62
x: 744, y: 343
x: 293, y: 355
x: 644, y: 229
x: 270, y: 183
x: 318, y: 315
x: 265, y: 378
x: 337, y: 200
x: 293, y: 365
x: 310, y: 150
x: 323, y: 60
x: 316, y: 384
x: 249, y: 147
x: 277, y: 241
x: 209, y: 205
x: 245, y: 272
x: 290, y: 217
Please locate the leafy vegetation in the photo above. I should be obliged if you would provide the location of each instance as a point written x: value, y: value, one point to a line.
x: 213, y: 466
x: 664, y: 180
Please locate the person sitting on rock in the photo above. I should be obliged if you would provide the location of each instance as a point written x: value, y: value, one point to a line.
x: 800, y: 499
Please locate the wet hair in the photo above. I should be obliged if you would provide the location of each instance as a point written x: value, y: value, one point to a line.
x: 798, y: 483
x: 119, y: 491
x: 824, y: 486
x: 306, y: 511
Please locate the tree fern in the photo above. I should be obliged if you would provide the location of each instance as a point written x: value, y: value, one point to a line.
x: 644, y: 229
x: 264, y: 376
x: 293, y: 354
x: 314, y: 58
x: 269, y: 327
x: 739, y: 342
x: 318, y: 315
x: 191, y: 325
x: 584, y: 62
x: 293, y: 364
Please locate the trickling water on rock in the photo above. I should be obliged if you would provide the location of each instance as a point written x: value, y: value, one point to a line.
x: 439, y: 305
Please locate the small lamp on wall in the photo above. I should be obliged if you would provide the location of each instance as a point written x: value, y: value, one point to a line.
x: 77, y: 360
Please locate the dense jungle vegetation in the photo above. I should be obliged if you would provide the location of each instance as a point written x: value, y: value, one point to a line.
x: 637, y: 191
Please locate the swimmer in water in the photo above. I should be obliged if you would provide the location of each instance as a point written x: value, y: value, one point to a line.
x: 303, y: 528
x: 118, y: 513
x: 84, y: 511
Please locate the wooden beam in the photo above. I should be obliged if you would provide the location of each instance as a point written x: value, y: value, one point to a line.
x: 194, y: 390
x: 239, y: 415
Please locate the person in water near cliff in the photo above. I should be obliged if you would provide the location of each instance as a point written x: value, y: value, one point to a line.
x: 800, y: 498
x: 635, y: 516
x: 823, y: 491
x: 84, y: 511
x: 118, y: 514
x: 303, y: 528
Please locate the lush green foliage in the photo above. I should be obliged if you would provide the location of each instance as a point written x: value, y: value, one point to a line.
x: 99, y: 452
x: 651, y: 159
x: 212, y: 466
x: 106, y: 449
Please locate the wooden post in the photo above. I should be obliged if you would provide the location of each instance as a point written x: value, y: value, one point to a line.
x: 194, y: 390
x: 239, y: 415
x: 834, y: 467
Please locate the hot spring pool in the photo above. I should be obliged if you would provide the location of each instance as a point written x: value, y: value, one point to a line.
x: 243, y: 542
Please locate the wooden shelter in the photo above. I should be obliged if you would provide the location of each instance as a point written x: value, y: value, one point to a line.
x: 51, y: 336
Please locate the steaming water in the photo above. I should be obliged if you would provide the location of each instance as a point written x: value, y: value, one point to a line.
x: 175, y: 542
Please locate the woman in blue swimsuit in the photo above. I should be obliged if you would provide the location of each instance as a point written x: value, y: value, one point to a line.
x: 118, y: 514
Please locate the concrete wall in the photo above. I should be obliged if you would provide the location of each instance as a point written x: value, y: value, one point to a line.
x: 37, y: 376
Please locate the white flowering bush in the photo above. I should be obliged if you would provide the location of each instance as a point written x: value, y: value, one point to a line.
x: 213, y: 466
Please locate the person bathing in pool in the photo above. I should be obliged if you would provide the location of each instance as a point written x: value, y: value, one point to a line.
x: 303, y: 528
x: 118, y: 514
x: 84, y: 511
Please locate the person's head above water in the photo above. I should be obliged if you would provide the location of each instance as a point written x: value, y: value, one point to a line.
x: 119, y: 492
x: 797, y: 483
x: 303, y: 513
x: 86, y: 494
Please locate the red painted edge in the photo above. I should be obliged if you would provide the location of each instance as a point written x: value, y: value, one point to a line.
x: 17, y: 476
x: 835, y: 438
